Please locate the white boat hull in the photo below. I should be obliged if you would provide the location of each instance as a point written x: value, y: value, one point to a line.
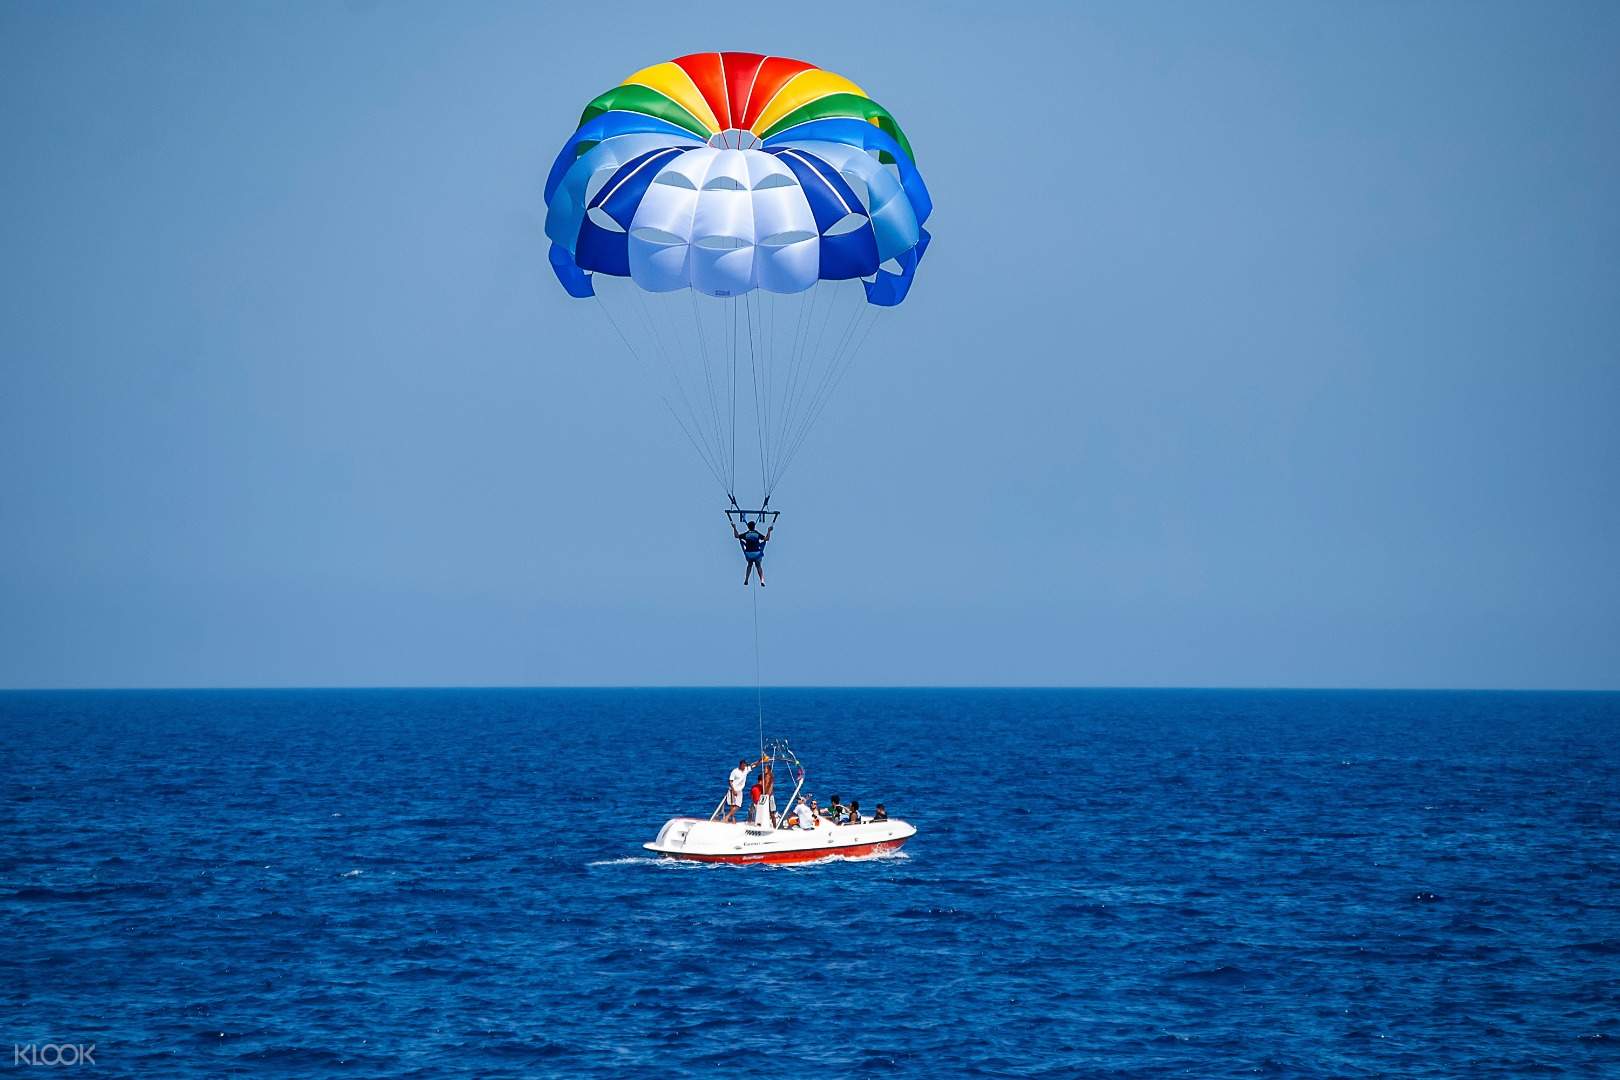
x: 739, y: 842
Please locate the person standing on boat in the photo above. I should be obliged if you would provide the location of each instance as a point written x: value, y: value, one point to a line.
x: 753, y: 546
x: 736, y: 784
x: 767, y: 787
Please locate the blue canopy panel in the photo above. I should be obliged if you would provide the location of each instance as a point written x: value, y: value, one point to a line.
x: 868, y: 137
x: 623, y: 192
x: 606, y: 126
x: 576, y: 281
x: 600, y: 247
x: 567, y: 207
x: 894, y: 222
x: 890, y: 288
x: 851, y: 251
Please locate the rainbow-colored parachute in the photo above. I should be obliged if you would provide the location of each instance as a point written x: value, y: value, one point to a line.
x: 732, y: 172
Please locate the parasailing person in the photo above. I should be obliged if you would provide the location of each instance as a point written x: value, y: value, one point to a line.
x: 753, y: 548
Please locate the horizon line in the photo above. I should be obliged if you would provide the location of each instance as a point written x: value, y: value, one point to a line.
x: 1263, y: 688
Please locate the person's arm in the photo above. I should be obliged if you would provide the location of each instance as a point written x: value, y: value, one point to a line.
x: 769, y: 531
x: 734, y: 531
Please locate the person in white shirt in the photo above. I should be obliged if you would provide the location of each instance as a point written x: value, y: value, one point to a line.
x: 806, y: 816
x: 736, y: 785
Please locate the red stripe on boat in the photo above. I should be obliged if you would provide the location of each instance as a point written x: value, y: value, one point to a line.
x: 850, y: 851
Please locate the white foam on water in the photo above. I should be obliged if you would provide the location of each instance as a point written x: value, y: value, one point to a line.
x: 665, y: 863
x: 835, y: 858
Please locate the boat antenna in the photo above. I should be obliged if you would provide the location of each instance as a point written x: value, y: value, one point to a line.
x: 759, y: 697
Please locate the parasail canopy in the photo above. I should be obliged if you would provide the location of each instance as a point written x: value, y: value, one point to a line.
x: 741, y: 178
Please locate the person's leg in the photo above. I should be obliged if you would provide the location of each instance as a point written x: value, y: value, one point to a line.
x: 748, y: 569
x: 761, y: 567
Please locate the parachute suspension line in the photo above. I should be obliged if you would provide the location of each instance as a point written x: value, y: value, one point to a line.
x: 772, y: 415
x: 798, y: 330
x: 759, y: 694
x: 756, y: 322
x: 854, y: 354
x: 873, y: 315
x: 807, y: 306
x: 815, y: 371
x: 768, y: 336
x: 731, y: 366
x: 753, y: 368
x: 838, y: 368
x: 807, y: 375
x: 713, y: 376
x: 708, y: 381
x: 810, y: 353
x: 720, y: 429
x: 827, y: 374
x: 796, y: 356
x: 733, y: 372
x: 710, y: 452
x: 633, y: 351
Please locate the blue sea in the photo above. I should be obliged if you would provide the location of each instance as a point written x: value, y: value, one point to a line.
x: 1104, y: 883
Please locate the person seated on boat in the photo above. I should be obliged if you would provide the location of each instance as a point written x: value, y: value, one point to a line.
x: 806, y: 816
x: 881, y: 815
x: 753, y: 546
x: 736, y: 784
x: 854, y: 813
x: 836, y: 812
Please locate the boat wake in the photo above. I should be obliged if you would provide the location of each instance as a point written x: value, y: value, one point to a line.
x: 663, y: 862
x: 882, y: 856
x: 657, y: 862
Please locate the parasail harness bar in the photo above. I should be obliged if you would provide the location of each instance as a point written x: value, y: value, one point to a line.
x: 737, y: 515
x: 740, y: 516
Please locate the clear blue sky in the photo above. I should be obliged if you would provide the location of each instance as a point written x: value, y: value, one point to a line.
x: 1269, y: 344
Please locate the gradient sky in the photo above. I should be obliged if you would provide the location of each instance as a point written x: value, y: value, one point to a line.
x: 1270, y: 344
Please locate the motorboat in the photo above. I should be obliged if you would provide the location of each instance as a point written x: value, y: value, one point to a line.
x: 750, y: 842
x: 757, y: 840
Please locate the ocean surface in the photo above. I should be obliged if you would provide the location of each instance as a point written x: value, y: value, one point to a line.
x: 1133, y: 883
